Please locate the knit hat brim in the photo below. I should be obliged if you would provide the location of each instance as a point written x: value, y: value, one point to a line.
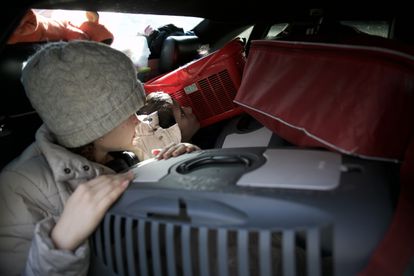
x: 95, y: 130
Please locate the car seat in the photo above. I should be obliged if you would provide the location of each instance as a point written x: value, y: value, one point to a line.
x: 177, y: 51
x: 18, y: 120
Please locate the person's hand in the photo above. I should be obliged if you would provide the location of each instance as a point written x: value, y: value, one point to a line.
x: 175, y: 149
x: 86, y: 207
x: 148, y: 30
x: 186, y: 120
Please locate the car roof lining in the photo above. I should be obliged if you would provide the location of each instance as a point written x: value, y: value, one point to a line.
x: 213, y: 9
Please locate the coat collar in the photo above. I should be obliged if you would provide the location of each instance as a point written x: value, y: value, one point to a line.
x: 65, y: 165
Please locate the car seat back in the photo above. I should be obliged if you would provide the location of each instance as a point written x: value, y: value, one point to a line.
x: 177, y: 51
x: 18, y: 120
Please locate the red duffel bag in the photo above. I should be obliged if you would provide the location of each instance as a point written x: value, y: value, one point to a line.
x: 357, y: 100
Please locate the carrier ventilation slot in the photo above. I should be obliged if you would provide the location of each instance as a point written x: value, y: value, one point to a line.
x: 215, y: 96
x: 144, y: 247
x: 229, y: 88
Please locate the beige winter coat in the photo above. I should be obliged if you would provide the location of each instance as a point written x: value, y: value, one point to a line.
x: 33, y: 191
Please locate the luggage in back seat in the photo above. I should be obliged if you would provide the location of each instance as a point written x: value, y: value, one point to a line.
x: 353, y: 99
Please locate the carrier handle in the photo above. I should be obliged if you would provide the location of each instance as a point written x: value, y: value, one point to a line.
x: 200, y: 162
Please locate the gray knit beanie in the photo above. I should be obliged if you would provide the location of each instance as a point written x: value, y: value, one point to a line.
x: 82, y: 89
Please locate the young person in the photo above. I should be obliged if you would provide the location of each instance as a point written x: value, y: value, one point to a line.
x: 57, y: 191
x: 171, y: 112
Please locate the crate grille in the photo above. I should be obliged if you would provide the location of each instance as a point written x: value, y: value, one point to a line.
x: 181, y: 97
x: 146, y: 247
x: 229, y: 87
x: 203, y: 109
x: 212, y: 97
x: 215, y: 95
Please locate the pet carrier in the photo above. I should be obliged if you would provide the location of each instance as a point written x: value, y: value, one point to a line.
x: 208, y: 85
x: 247, y: 211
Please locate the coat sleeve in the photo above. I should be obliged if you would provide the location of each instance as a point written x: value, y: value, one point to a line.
x: 45, y: 259
x: 25, y: 224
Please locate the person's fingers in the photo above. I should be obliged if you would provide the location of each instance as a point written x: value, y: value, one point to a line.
x: 164, y: 150
x: 104, y: 182
x: 148, y: 30
x: 191, y: 148
x: 169, y: 152
x: 181, y: 149
x: 174, y: 150
x: 177, y: 111
x: 188, y: 147
x: 187, y: 110
x: 113, y: 195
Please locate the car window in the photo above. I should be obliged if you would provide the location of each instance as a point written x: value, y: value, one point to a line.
x: 246, y: 33
x: 275, y: 30
x: 124, y: 25
x: 380, y: 28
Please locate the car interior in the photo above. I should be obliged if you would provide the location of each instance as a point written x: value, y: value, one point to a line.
x: 307, y: 137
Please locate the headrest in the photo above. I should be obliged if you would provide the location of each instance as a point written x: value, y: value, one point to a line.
x: 11, y: 63
x: 177, y: 51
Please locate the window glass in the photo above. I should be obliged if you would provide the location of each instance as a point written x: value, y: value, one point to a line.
x: 380, y: 28
x: 124, y: 24
x: 275, y: 30
x: 128, y: 29
x: 246, y: 33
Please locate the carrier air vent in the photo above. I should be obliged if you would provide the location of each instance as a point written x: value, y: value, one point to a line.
x: 229, y: 88
x: 216, y: 94
x: 131, y: 247
x: 212, y: 92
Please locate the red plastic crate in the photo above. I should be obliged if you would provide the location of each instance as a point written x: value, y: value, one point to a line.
x: 208, y: 85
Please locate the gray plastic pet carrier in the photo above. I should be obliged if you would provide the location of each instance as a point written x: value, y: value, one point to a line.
x: 247, y: 211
